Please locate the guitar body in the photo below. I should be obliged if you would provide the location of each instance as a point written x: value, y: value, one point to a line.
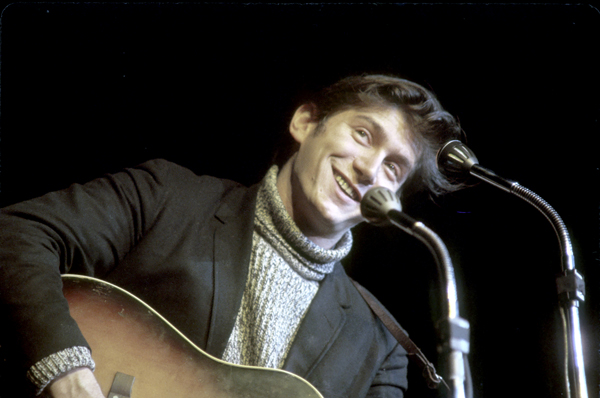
x: 129, y: 337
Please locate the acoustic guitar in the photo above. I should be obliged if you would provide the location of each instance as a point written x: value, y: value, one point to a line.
x: 139, y: 354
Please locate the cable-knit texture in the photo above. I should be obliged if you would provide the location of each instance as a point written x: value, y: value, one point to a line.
x: 46, y: 370
x: 284, y: 274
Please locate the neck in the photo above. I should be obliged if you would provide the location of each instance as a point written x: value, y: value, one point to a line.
x: 320, y: 235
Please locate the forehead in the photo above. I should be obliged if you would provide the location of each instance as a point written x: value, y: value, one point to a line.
x: 385, y: 116
x: 390, y: 118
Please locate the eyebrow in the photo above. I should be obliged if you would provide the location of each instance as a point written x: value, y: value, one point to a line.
x: 369, y: 119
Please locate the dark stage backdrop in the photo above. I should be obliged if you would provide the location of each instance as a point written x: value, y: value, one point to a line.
x: 88, y: 89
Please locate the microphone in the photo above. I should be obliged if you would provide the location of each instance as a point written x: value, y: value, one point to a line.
x: 382, y: 207
x: 456, y: 160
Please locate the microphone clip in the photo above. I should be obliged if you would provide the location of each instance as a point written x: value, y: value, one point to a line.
x: 570, y: 286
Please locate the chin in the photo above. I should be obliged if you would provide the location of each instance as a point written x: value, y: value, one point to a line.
x: 341, y: 222
x: 337, y: 217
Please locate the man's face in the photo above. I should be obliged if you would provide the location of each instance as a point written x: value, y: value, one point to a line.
x: 338, y: 162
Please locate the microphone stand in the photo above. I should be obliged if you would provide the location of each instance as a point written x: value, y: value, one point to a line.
x: 454, y: 330
x: 381, y: 206
x: 570, y: 284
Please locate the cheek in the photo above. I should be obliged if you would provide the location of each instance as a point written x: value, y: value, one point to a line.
x: 384, y: 181
x: 345, y: 144
x: 313, y: 158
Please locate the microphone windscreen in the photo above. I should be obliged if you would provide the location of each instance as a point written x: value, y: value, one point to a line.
x: 376, y: 204
x: 455, y: 159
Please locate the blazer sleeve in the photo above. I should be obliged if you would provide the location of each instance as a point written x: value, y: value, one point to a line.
x: 84, y: 229
x: 391, y: 378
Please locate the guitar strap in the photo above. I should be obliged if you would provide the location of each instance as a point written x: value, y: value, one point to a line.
x: 414, y: 353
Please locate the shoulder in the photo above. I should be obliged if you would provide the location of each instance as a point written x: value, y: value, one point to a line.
x: 177, y: 187
x: 165, y: 172
x: 172, y: 179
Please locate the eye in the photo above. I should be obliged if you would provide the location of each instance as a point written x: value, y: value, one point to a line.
x: 362, y: 136
x: 394, y: 169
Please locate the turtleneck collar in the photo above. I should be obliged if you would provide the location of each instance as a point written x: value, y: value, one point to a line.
x: 276, y: 226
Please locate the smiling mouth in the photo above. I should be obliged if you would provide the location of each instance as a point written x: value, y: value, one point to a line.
x: 346, y: 187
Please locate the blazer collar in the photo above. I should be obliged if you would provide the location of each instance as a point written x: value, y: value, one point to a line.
x: 232, y: 245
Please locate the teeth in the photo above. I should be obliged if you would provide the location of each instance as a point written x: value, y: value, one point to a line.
x: 345, y: 187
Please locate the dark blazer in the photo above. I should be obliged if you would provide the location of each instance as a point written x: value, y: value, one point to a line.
x: 181, y: 243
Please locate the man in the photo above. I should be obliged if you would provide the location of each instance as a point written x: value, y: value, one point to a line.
x: 224, y: 263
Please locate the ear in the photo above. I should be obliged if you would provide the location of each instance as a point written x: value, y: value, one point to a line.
x: 303, y: 123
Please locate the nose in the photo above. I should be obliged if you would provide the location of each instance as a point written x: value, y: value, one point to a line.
x: 366, y: 168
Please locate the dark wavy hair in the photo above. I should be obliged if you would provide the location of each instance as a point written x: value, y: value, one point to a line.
x: 430, y: 126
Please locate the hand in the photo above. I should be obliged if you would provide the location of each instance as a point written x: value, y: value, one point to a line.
x: 79, y: 383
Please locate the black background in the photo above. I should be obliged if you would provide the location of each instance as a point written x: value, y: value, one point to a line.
x: 91, y: 88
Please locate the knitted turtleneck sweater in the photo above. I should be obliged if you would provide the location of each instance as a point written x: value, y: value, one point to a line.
x: 284, y: 274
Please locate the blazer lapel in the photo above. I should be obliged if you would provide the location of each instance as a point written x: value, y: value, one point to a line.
x: 232, y: 248
x: 321, y: 326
